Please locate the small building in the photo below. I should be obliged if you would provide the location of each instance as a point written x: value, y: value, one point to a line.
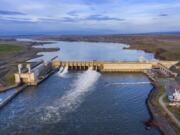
x: 175, y: 97
x: 32, y: 76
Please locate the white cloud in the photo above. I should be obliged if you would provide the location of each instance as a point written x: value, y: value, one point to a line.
x: 142, y: 16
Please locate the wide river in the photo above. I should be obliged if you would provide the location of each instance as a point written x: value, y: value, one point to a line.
x: 83, y: 103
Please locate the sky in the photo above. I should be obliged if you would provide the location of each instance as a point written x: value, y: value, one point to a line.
x: 24, y: 17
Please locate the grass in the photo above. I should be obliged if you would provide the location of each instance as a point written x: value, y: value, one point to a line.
x: 173, y: 109
x: 157, y: 93
x: 164, y: 50
x: 8, y: 78
x: 174, y: 69
x: 9, y: 48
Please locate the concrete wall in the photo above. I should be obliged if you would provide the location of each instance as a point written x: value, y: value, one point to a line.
x: 127, y: 67
x: 28, y: 78
x: 168, y: 64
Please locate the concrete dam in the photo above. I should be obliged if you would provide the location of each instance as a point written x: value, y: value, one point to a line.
x: 113, y: 66
x: 37, y: 74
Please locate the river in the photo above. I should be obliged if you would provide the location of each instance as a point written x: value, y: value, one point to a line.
x: 83, y: 103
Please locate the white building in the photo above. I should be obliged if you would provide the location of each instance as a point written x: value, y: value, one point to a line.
x: 175, y: 97
x: 176, y: 94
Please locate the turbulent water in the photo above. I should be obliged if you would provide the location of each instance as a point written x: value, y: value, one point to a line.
x: 82, y: 103
x: 63, y: 72
x: 72, y: 98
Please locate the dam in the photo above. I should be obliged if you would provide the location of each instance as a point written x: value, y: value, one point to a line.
x: 43, y: 70
x: 81, y: 101
x: 113, y: 66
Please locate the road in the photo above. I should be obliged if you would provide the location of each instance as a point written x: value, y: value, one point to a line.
x: 171, y: 115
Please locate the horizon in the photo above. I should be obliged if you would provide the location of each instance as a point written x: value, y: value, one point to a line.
x: 85, y: 34
x: 88, y: 17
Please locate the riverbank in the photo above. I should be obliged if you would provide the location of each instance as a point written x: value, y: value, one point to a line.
x: 8, y: 99
x: 163, y: 121
x: 13, y: 52
x: 165, y: 47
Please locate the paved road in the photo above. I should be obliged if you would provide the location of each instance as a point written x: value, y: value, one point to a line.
x: 174, y: 119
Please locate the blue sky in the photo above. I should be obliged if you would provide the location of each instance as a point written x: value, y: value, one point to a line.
x: 88, y: 16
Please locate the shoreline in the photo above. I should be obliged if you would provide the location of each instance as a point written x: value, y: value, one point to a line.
x: 129, y: 47
x: 162, y: 123
x: 150, y: 109
x: 151, y: 112
x: 157, y: 44
x: 158, y: 119
x: 7, y: 100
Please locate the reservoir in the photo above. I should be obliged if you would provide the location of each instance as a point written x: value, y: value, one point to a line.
x: 83, y: 103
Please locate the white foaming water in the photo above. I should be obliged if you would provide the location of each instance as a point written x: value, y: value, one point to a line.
x: 72, y: 98
x: 63, y: 71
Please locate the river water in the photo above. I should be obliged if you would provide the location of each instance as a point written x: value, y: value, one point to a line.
x: 82, y: 103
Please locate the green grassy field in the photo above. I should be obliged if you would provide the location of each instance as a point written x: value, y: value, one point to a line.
x: 8, y: 48
x: 8, y: 51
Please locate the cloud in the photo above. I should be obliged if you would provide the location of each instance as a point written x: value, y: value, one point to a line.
x: 16, y: 20
x: 97, y: 1
x: 89, y: 18
x: 19, y: 19
x: 33, y: 19
x: 163, y: 14
x: 6, y: 12
x: 69, y: 19
x: 78, y: 15
x: 72, y: 13
x: 102, y: 18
